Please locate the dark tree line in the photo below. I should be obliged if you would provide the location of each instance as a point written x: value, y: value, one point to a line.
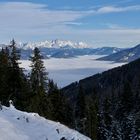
x: 112, y: 118
x: 34, y: 92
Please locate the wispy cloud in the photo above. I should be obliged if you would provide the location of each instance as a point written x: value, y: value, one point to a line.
x: 112, y: 9
x: 114, y: 26
x: 28, y: 21
x: 28, y: 14
x: 73, y: 23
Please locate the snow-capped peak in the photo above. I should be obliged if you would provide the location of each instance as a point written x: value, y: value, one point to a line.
x: 54, y: 44
x: 18, y: 125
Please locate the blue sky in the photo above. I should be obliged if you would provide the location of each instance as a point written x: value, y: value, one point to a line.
x: 97, y: 22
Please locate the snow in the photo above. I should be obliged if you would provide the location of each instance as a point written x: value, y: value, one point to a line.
x: 125, y: 58
x: 18, y: 125
x: 65, y: 71
x: 114, y: 51
x: 131, y: 54
x: 53, y: 44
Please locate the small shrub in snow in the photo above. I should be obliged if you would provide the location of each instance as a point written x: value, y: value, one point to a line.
x: 27, y: 120
x: 63, y: 138
x: 57, y: 131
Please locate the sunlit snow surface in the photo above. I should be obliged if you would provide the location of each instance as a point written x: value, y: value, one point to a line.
x: 65, y: 71
x: 18, y: 125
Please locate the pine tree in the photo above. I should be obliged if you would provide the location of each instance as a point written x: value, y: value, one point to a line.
x: 18, y: 84
x: 101, y: 132
x: 80, y: 111
x: 15, y: 55
x: 15, y: 72
x: 55, y: 103
x: 4, y: 76
x: 137, y: 123
x: 107, y: 113
x: 92, y: 119
x: 38, y: 82
x: 127, y: 101
x: 38, y: 76
x: 59, y: 109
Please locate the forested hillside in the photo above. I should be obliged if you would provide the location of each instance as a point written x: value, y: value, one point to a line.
x: 109, y: 103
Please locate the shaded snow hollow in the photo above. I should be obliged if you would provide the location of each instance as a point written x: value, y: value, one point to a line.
x: 18, y: 125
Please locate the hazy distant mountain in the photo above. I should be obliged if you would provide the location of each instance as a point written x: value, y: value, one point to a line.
x: 106, y: 50
x: 127, y: 55
x: 63, y: 49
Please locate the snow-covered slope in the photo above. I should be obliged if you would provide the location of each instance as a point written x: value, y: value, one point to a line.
x: 18, y: 125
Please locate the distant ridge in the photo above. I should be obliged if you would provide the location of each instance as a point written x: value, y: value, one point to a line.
x: 127, y: 55
x: 63, y: 49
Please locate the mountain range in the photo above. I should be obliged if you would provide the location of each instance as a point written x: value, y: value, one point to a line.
x: 126, y: 55
x: 68, y: 49
x: 63, y: 49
